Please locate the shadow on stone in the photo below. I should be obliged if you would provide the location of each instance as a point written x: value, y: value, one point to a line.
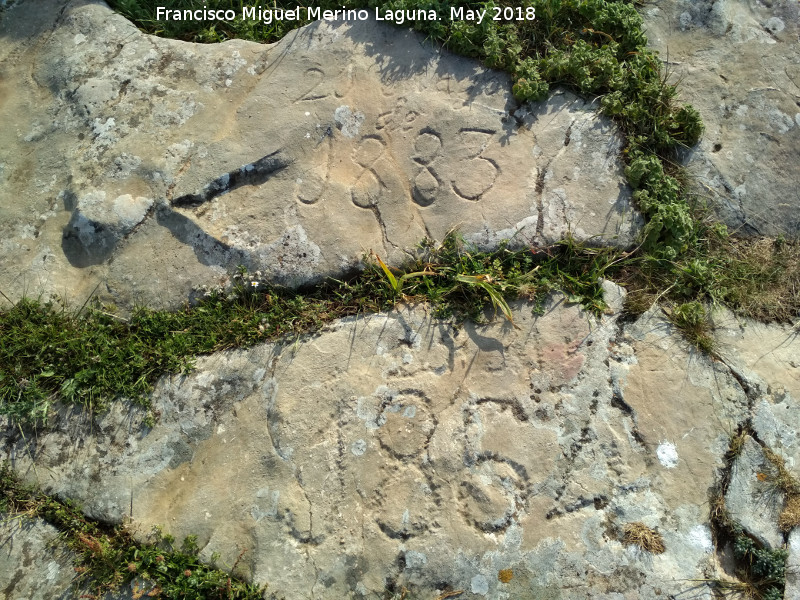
x: 209, y: 250
x: 80, y: 254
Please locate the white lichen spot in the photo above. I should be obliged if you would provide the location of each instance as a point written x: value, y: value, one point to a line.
x: 104, y: 131
x: 36, y: 133
x: 79, y: 39
x: 415, y: 560
x: 358, y: 448
x: 228, y: 82
x: 774, y: 25
x: 667, y: 455
x: 407, y: 359
x: 479, y: 585
x: 700, y: 537
x: 52, y: 571
x: 348, y: 121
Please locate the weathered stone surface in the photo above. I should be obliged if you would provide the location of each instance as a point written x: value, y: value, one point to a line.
x: 793, y: 567
x: 155, y: 165
x: 392, y: 449
x: 765, y: 358
x: 396, y: 448
x: 739, y: 64
x: 97, y: 225
x: 30, y: 569
x: 753, y: 503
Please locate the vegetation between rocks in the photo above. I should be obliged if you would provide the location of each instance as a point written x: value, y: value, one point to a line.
x: 50, y: 353
x: 760, y: 571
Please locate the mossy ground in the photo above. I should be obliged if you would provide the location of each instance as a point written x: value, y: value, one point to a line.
x: 54, y: 353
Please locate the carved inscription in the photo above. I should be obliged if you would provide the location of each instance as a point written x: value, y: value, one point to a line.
x: 477, y: 173
x: 441, y: 166
x: 315, y: 76
x: 368, y: 185
x: 429, y: 147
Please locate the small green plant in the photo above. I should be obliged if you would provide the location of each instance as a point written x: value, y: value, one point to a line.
x: 693, y: 321
x: 397, y: 283
x: 487, y: 284
x: 762, y: 568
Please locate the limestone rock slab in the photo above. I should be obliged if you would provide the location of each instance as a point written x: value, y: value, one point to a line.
x: 398, y: 449
x: 738, y: 63
x: 754, y: 503
x: 29, y: 566
x: 155, y: 165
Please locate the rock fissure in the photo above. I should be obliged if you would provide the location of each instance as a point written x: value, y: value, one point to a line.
x: 252, y: 174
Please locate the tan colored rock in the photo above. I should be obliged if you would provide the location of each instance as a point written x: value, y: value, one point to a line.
x: 765, y: 358
x: 397, y: 449
x: 738, y: 63
x: 751, y: 499
x: 686, y: 405
x: 154, y: 165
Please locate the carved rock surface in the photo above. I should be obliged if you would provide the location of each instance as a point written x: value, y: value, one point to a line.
x: 156, y: 165
x: 738, y: 63
x: 399, y: 449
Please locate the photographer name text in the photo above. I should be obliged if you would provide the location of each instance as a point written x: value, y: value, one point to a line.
x: 310, y: 13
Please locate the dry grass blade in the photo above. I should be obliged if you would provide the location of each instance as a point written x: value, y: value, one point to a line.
x: 452, y: 594
x: 790, y: 516
x: 641, y: 535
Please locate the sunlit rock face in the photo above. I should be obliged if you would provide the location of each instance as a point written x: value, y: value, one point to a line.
x: 155, y: 165
x: 738, y: 63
